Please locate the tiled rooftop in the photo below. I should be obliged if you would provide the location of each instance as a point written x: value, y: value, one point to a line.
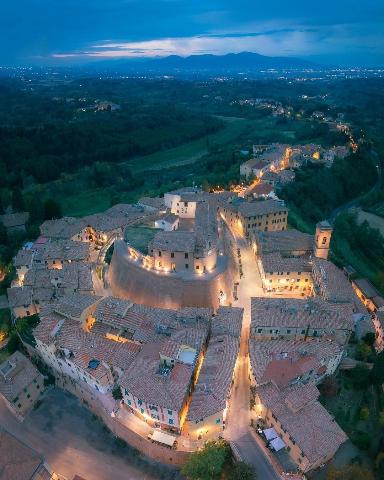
x: 334, y: 285
x: 19, y: 296
x: 146, y: 324
x: 366, y: 287
x: 23, y: 258
x: 283, y: 361
x: 154, y: 202
x: 212, y: 388
x: 278, y: 312
x: 16, y: 373
x: 264, y: 207
x: 63, y: 228
x: 228, y: 321
x: 65, y: 250
x: 285, y: 241
x: 18, y: 461
x: 72, y: 306
x: 275, y: 262
x: 177, y: 241
x: 145, y: 382
x: 307, y: 422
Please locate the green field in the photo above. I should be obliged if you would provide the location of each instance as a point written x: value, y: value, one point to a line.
x: 236, y: 132
x: 193, y: 151
x: 377, y: 209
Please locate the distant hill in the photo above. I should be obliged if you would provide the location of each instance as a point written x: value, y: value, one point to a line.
x: 231, y: 62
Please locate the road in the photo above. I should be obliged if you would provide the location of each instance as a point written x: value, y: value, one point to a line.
x: 72, y: 440
x: 238, y: 421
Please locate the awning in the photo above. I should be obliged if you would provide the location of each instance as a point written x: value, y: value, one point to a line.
x: 164, y: 438
x: 270, y: 433
x: 277, y: 444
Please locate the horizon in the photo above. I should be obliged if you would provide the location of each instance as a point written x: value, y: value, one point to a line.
x: 52, y: 33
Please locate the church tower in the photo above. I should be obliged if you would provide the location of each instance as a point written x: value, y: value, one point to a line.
x: 322, y: 239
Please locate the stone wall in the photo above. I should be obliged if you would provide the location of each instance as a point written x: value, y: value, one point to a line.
x: 131, y: 281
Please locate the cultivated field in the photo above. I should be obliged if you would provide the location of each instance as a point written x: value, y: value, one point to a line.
x: 374, y: 220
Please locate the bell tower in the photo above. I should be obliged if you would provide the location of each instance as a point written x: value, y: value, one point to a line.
x: 322, y: 239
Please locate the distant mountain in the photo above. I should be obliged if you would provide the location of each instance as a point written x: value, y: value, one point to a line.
x: 231, y: 62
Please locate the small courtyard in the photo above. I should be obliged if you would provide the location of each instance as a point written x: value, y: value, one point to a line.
x: 139, y: 236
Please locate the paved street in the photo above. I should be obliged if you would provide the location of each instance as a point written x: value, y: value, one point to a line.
x: 73, y: 441
x: 238, y: 422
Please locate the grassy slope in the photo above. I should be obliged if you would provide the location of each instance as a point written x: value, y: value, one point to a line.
x: 236, y: 130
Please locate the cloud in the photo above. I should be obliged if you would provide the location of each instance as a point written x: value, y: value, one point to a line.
x: 75, y: 29
x: 300, y: 41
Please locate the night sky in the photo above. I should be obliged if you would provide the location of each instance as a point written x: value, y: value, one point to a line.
x: 338, y: 32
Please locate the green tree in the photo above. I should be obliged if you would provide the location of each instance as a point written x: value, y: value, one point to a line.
x: 17, y: 200
x: 381, y: 418
x: 379, y: 464
x: 359, y: 376
x: 36, y: 209
x: 242, y: 471
x: 207, y: 463
x: 3, y: 235
x: 377, y: 373
x: 116, y: 393
x: 364, y: 413
x: 369, y: 338
x: 363, y: 351
x: 52, y: 209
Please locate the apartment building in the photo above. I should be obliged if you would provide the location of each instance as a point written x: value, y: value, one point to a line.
x: 309, y: 433
x: 247, y: 218
x: 285, y: 275
x: 276, y: 318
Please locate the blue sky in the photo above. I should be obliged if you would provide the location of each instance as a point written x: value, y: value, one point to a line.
x: 345, y: 32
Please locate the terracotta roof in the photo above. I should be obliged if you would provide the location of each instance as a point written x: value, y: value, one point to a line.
x: 145, y: 381
x: 284, y: 361
x: 275, y: 262
x: 23, y: 258
x: 307, y: 422
x: 66, y: 250
x: 285, y: 241
x: 177, y: 241
x: 169, y: 218
x: 63, y: 228
x: 73, y: 276
x: 213, y: 386
x: 228, y: 321
x: 19, y: 296
x: 264, y: 207
x: 261, y: 189
x: 16, y: 373
x: 84, y: 346
x: 256, y: 163
x: 116, y: 217
x: 17, y: 460
x: 147, y: 324
x: 333, y: 284
x: 72, y: 306
x: 369, y: 291
x: 278, y: 312
x: 154, y: 202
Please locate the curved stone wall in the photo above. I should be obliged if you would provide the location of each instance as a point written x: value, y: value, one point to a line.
x: 131, y: 281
